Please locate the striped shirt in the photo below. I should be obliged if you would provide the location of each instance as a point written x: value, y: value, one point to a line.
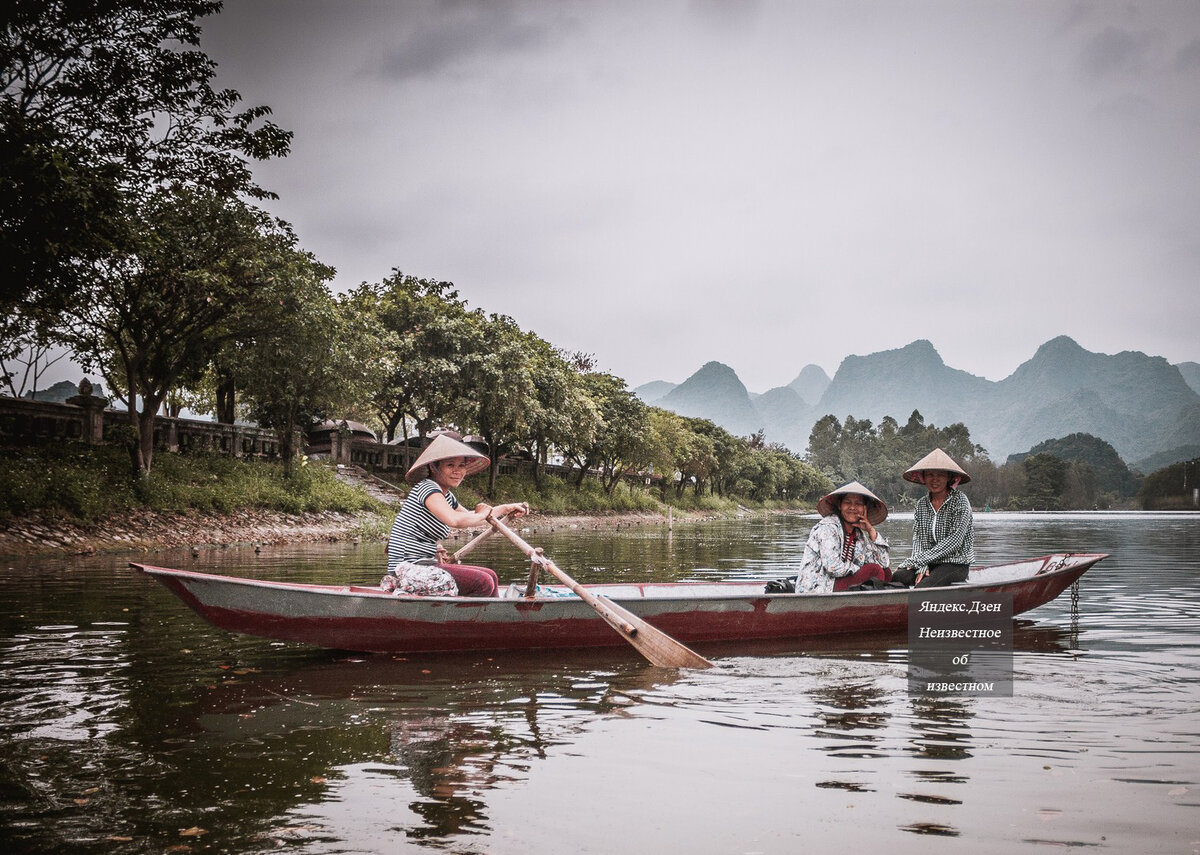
x: 416, y: 532
x: 848, y: 546
x: 944, y: 536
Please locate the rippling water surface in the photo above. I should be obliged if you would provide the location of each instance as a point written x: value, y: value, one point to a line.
x: 128, y: 725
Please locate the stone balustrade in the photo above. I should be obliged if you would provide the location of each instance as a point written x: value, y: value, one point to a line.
x: 87, y: 418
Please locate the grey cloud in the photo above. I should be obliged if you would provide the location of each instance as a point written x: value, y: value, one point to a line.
x: 727, y: 15
x: 1114, y: 51
x: 1188, y: 57
x: 461, y: 32
x: 1127, y: 105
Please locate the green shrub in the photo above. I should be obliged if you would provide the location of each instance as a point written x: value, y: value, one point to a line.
x: 90, y: 482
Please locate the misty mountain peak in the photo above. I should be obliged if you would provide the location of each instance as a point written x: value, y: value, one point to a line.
x: 810, y: 384
x: 922, y: 349
x: 716, y: 369
x: 711, y: 376
x: 1060, y: 347
x: 715, y: 392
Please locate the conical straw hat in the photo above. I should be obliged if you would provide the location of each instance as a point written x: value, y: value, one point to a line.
x: 441, y: 448
x: 936, y: 459
x: 877, y: 511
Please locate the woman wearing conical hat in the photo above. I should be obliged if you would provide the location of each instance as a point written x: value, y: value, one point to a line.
x: 943, y: 528
x: 844, y: 549
x: 417, y: 562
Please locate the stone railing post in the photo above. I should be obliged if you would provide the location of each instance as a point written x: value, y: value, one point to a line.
x: 343, y: 450
x: 93, y: 412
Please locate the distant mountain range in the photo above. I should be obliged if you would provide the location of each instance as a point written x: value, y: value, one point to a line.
x: 1147, y: 408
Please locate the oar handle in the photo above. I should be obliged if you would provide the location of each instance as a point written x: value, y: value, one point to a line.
x: 583, y: 593
x: 477, y: 539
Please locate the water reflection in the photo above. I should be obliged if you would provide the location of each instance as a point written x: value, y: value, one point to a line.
x: 440, y: 736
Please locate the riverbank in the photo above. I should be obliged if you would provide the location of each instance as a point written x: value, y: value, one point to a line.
x: 144, y: 530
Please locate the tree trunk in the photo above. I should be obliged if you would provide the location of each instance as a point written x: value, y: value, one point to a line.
x: 226, y: 409
x: 392, y: 421
x: 287, y: 449
x: 142, y: 441
x: 494, y: 466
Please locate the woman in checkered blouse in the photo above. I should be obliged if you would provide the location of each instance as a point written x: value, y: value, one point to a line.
x: 943, y: 529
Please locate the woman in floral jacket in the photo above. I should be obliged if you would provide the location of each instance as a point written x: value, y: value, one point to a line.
x: 844, y: 549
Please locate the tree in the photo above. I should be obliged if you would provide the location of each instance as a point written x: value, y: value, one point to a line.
x: 25, y: 354
x: 100, y: 104
x: 305, y: 368
x: 1112, y: 473
x: 499, y: 376
x: 424, y: 333
x: 200, y: 273
x: 823, y: 442
x: 1172, y: 486
x: 1045, y: 478
x: 666, y: 442
x: 618, y: 438
x: 560, y: 410
x: 716, y: 456
x: 697, y: 455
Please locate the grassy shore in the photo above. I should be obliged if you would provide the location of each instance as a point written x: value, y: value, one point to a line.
x: 80, y: 500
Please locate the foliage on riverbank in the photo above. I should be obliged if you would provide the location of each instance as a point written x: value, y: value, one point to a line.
x: 558, y: 496
x: 90, y: 482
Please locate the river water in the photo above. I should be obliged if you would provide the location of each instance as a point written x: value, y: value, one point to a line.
x: 128, y: 725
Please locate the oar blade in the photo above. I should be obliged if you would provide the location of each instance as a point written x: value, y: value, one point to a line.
x: 654, y: 644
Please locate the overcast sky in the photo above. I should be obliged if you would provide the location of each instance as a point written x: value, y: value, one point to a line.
x: 766, y: 184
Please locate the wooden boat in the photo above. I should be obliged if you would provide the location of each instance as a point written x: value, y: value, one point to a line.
x: 361, y: 618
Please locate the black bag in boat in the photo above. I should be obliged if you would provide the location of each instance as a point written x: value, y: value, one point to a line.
x: 781, y: 586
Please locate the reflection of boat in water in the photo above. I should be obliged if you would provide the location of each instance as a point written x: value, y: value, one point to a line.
x: 437, y: 738
x: 348, y: 617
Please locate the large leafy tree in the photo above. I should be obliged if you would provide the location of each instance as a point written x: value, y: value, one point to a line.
x: 667, y: 442
x: 424, y: 332
x: 201, y: 271
x: 618, y: 435
x: 102, y: 104
x: 499, y: 375
x: 560, y: 412
x: 306, y: 367
x: 697, y: 459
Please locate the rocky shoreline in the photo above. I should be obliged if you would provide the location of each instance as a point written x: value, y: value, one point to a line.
x: 35, y: 535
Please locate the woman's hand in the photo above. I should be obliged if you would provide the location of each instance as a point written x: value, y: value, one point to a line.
x: 864, y: 525
x: 512, y: 509
x: 516, y: 509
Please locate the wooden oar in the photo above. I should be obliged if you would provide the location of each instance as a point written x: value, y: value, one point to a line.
x: 658, y: 647
x: 476, y: 540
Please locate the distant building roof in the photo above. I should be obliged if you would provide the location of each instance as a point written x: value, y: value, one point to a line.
x: 355, y: 428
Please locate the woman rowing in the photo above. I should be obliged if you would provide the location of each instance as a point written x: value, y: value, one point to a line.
x: 414, y: 552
